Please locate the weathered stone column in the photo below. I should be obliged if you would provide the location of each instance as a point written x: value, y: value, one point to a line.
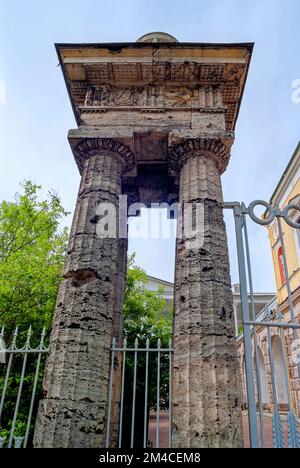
x: 88, y: 311
x: 206, y: 393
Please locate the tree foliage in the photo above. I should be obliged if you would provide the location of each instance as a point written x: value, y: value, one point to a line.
x: 32, y: 250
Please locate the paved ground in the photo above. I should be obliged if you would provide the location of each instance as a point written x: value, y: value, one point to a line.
x: 164, y: 425
x: 268, y: 432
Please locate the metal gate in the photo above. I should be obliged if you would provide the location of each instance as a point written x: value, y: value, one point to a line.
x: 143, y: 372
x: 269, y: 339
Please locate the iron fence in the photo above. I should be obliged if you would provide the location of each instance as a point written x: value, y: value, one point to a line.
x: 16, y: 362
x: 145, y: 371
x: 272, y: 373
x: 139, y: 412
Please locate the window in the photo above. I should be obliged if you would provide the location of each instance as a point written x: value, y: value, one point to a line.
x: 281, y: 265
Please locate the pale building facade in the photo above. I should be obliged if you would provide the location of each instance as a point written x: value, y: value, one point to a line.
x: 283, y: 343
x: 287, y: 192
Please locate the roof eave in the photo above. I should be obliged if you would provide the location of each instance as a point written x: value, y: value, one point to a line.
x: 117, y: 45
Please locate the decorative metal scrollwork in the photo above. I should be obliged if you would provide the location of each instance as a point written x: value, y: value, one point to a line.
x: 273, y: 212
x: 286, y: 211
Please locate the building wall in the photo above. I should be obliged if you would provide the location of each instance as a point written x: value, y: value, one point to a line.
x: 287, y: 192
x: 289, y: 356
x: 167, y: 288
x: 291, y: 238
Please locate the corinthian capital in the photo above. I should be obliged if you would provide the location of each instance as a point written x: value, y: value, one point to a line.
x: 216, y: 148
x: 89, y: 147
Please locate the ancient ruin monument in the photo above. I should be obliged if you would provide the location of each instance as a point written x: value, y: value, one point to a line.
x: 156, y: 122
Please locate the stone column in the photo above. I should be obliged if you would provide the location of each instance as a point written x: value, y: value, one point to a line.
x: 88, y: 313
x: 206, y: 394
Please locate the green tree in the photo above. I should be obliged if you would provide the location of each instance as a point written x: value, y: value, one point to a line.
x: 32, y: 250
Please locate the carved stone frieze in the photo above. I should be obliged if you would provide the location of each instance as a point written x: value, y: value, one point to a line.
x: 156, y: 96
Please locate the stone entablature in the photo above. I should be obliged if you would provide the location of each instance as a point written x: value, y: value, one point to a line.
x: 155, y: 101
x: 155, y: 77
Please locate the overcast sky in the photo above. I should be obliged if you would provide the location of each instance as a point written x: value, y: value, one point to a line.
x: 35, y: 112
